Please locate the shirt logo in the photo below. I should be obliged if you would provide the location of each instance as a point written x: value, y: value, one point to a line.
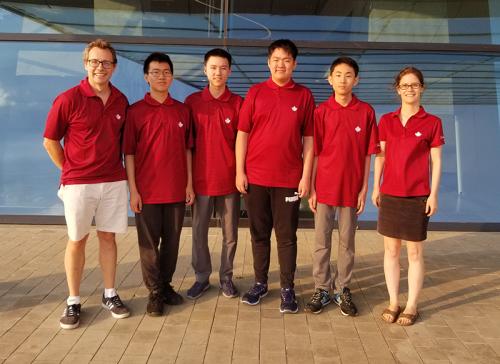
x: 418, y: 134
x: 358, y: 129
x: 227, y: 121
x: 118, y: 116
x: 293, y: 198
x: 294, y: 108
x: 180, y: 124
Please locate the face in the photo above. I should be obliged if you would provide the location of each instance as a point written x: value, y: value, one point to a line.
x: 217, y: 70
x: 159, y: 76
x: 343, y: 79
x: 99, y: 66
x: 410, y: 89
x: 281, y: 64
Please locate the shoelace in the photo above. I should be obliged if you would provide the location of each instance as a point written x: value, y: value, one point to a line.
x: 347, y: 297
x: 317, y: 296
x: 116, y: 301
x: 255, y: 290
x: 71, y: 310
x: 229, y: 285
x: 287, y: 295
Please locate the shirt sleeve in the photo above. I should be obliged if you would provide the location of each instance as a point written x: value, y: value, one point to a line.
x: 318, y: 131
x: 58, y: 119
x: 310, y: 106
x: 246, y: 112
x: 374, y: 142
x: 382, y: 133
x: 437, y: 137
x: 130, y: 134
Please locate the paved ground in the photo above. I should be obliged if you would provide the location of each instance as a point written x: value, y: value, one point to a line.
x: 460, y: 308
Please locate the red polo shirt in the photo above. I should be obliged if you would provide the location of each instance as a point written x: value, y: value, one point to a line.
x: 343, y: 137
x: 92, y: 133
x: 158, y: 136
x: 407, y: 149
x: 276, y: 119
x: 214, y: 123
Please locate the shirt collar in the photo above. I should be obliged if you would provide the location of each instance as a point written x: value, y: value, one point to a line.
x: 352, y: 105
x: 270, y: 83
x: 420, y: 114
x: 150, y: 101
x: 88, y: 91
x: 207, y: 96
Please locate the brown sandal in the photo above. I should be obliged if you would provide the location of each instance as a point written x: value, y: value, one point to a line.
x: 408, y: 316
x: 393, y: 315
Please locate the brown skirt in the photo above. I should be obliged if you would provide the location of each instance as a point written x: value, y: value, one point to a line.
x: 403, y: 217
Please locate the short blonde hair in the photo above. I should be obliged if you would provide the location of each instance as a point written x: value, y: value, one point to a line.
x: 99, y: 43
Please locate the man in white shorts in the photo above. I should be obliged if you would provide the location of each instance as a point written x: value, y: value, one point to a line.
x: 89, y: 117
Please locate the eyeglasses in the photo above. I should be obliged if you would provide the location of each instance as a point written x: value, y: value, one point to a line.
x: 158, y: 73
x: 94, y: 63
x: 407, y: 86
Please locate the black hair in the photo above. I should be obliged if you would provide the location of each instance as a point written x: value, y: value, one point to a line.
x: 160, y: 58
x: 348, y: 61
x: 218, y: 52
x: 285, y: 44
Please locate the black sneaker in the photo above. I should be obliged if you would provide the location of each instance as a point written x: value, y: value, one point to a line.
x: 344, y: 300
x: 288, y: 301
x: 70, y: 318
x: 254, y: 294
x: 319, y: 299
x: 170, y: 297
x: 197, y: 289
x: 115, y: 306
x: 229, y: 290
x: 155, y: 304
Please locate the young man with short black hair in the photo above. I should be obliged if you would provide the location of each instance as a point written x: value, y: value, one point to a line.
x: 214, y: 112
x: 157, y: 148
x: 274, y: 152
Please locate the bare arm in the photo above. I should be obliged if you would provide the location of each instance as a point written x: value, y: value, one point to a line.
x: 55, y: 151
x: 432, y: 201
x: 377, y: 174
x: 241, y: 154
x: 364, y: 188
x: 189, y: 187
x: 135, y: 196
x: 312, y: 196
x: 308, y: 156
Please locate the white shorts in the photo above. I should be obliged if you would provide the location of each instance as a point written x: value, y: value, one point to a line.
x: 107, y: 202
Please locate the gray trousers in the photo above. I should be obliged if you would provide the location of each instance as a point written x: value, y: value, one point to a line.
x: 324, y: 221
x: 227, y: 208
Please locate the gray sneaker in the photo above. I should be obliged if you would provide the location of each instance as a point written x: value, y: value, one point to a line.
x: 115, y: 306
x: 229, y: 290
x: 70, y: 318
x: 344, y: 301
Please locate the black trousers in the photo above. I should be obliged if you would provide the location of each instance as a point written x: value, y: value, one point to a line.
x: 159, y: 229
x: 276, y: 207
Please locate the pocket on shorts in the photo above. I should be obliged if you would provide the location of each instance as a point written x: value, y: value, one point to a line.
x: 60, y: 192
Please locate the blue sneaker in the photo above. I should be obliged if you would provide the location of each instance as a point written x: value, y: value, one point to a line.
x: 254, y: 294
x: 229, y: 290
x: 288, y: 301
x: 197, y: 289
x: 319, y: 299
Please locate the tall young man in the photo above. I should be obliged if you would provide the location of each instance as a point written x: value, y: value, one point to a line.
x: 214, y: 112
x: 90, y: 118
x: 157, y: 148
x: 345, y: 136
x: 274, y: 153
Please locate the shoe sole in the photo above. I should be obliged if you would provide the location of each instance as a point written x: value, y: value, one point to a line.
x: 258, y: 301
x: 201, y: 293
x: 154, y: 314
x: 346, y: 314
x: 116, y: 315
x: 230, y: 296
x: 68, y: 326
x: 289, y: 311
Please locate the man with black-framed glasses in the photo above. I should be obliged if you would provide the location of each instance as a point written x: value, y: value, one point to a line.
x: 90, y: 117
x: 157, y: 147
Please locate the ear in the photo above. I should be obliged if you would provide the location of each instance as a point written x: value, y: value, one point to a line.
x: 356, y: 81
x: 146, y: 78
x: 330, y: 79
x: 205, y: 69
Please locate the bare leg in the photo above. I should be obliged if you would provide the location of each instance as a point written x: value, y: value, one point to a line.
x: 74, y: 261
x: 392, y: 249
x: 107, y: 257
x: 416, y: 269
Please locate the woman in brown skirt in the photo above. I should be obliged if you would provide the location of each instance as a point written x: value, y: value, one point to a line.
x: 404, y: 196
